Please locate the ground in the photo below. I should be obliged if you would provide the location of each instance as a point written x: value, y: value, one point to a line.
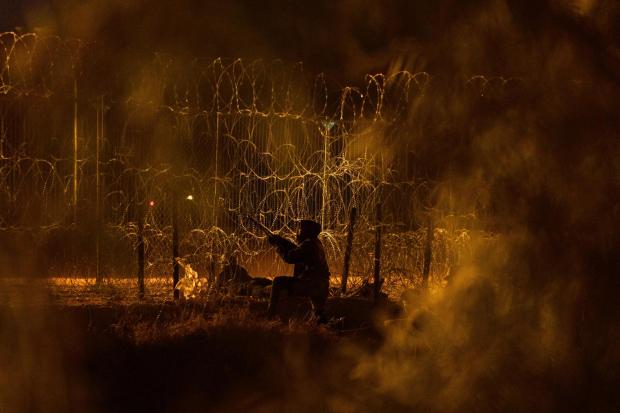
x: 125, y: 355
x: 66, y: 354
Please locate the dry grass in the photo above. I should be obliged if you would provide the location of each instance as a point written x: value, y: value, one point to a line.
x: 195, y: 321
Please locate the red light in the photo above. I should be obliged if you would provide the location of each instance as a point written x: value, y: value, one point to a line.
x: 151, y: 203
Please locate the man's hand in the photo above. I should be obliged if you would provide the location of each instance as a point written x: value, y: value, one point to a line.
x: 283, y: 245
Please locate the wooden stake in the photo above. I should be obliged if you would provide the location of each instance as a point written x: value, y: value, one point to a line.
x: 347, y: 251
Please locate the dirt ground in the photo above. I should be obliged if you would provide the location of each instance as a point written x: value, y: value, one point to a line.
x: 225, y: 356
x: 61, y: 353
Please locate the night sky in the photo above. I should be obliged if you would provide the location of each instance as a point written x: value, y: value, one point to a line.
x: 345, y: 39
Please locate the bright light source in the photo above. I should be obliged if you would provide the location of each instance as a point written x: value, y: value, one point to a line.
x: 190, y: 197
x: 151, y: 203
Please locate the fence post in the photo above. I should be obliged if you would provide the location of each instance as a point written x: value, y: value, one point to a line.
x: 377, y: 272
x: 175, y: 245
x: 140, y: 251
x: 347, y: 251
x: 428, y: 252
x: 75, y: 149
x: 325, y: 195
x: 98, y: 192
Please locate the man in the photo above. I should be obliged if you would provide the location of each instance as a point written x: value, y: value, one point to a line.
x: 311, y: 272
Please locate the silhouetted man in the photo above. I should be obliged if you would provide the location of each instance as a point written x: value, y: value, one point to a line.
x: 311, y: 273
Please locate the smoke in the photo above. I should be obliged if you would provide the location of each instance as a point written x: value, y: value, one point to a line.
x: 528, y: 321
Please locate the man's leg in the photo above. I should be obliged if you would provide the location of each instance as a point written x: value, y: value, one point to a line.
x: 316, y: 291
x: 318, y: 296
x: 280, y: 284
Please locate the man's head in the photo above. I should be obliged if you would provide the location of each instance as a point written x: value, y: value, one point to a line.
x: 308, y: 229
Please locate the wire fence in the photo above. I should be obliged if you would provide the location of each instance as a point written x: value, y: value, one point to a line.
x: 88, y: 150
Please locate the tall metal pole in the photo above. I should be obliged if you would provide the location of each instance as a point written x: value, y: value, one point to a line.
x: 75, y: 149
x: 347, y: 251
x: 213, y: 265
x: 216, y: 172
x: 98, y: 191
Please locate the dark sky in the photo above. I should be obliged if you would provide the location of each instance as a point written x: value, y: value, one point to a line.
x: 10, y: 14
x: 345, y: 38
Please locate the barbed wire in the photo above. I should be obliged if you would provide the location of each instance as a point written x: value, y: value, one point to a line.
x: 222, y: 139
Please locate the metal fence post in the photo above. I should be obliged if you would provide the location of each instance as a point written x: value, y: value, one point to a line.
x: 347, y: 251
x: 175, y: 246
x: 377, y: 272
x: 428, y: 252
x: 140, y: 246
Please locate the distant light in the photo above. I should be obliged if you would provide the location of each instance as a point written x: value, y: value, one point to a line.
x: 151, y: 203
x: 190, y: 197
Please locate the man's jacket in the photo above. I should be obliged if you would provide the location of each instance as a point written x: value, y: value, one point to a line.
x: 308, y: 257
